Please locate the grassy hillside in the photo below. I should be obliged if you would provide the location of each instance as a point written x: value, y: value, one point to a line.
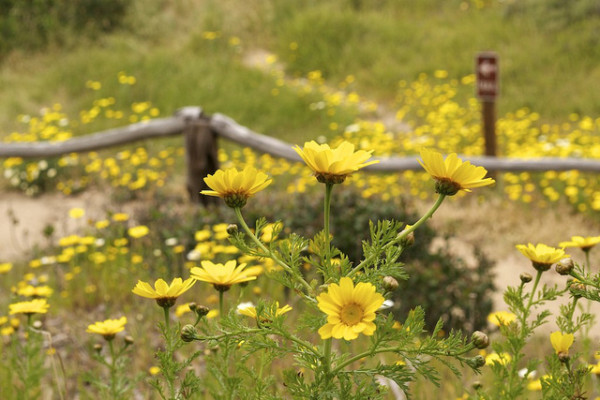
x: 190, y: 53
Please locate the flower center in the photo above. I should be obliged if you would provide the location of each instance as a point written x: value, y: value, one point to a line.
x: 351, y: 314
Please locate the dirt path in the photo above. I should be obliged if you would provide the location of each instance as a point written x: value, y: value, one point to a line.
x: 497, y: 226
x: 24, y: 219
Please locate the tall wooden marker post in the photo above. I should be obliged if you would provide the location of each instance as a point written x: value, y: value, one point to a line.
x: 487, y: 72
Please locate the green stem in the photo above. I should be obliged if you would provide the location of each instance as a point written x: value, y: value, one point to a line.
x: 221, y: 295
x: 166, y: 313
x: 572, y: 310
x: 531, y: 295
x: 169, y: 351
x: 524, y: 332
x: 587, y: 260
x: 368, y: 353
x: 113, y: 370
x: 402, y: 234
x: 287, y: 268
x: 326, y: 212
x: 327, y: 355
x: 581, y: 279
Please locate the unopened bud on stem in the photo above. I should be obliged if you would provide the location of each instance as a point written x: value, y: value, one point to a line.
x: 390, y: 283
x: 525, y: 277
x: 480, y: 340
x: 188, y: 333
x: 565, y: 266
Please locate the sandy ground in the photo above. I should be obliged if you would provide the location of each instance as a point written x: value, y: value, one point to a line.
x: 498, y: 226
x: 495, y: 226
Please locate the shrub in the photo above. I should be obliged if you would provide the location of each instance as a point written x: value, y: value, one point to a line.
x: 442, y: 283
x: 30, y: 24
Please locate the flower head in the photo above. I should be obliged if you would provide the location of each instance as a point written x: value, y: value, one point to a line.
x: 164, y: 294
x: 139, y: 231
x: 76, y: 213
x: 35, y: 291
x: 542, y: 256
x: 108, y: 328
x: 222, y: 276
x: 561, y: 342
x: 497, y: 358
x: 350, y: 309
x: 5, y: 267
x: 36, y: 306
x: 333, y: 165
x: 235, y: 187
x: 453, y: 174
x: 249, y: 310
x: 501, y: 318
x: 584, y: 243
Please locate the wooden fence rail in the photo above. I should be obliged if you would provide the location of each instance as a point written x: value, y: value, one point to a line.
x: 191, y: 122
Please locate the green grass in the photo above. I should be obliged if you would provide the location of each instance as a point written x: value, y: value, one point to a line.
x: 546, y: 67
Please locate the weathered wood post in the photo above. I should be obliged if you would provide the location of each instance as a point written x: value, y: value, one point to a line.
x: 201, y: 152
x: 487, y: 91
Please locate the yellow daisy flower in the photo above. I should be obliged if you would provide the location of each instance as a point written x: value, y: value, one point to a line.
x: 76, y: 213
x: 501, y: 318
x: 561, y: 342
x: 35, y: 291
x: 535, y: 385
x: 453, y: 174
x: 333, y: 165
x: 235, y: 187
x: 222, y: 276
x: 164, y: 294
x: 36, y: 306
x: 595, y: 368
x: 5, y: 267
x: 108, y: 328
x: 584, y: 243
x: 139, y: 231
x: 497, y: 358
x: 542, y: 256
x: 350, y: 309
x: 250, y: 311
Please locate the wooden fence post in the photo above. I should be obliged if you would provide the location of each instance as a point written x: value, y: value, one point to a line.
x: 201, y: 152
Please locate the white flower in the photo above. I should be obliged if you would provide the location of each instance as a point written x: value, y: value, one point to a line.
x: 243, y: 306
x: 525, y: 373
x: 387, y: 304
x: 193, y: 255
x: 171, y: 241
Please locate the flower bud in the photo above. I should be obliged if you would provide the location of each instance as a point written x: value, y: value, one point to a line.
x: 408, y: 240
x: 232, y: 229
x: 476, y: 362
x: 477, y: 385
x: 97, y: 347
x: 575, y: 285
x: 390, y: 283
x: 128, y: 340
x: 192, y: 306
x: 201, y: 311
x: 565, y: 266
x: 525, y: 277
x: 480, y: 340
x: 188, y: 333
